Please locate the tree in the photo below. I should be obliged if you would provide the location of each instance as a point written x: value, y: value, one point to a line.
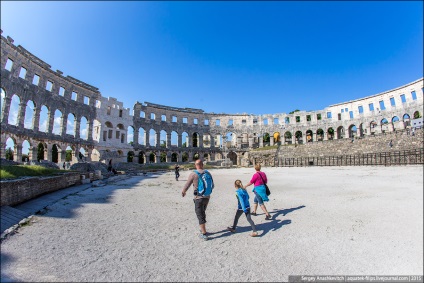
x: 55, y: 154
x: 130, y: 156
x: 9, y: 154
x: 266, y: 137
x: 40, y: 152
x: 163, y: 157
x: 297, y: 110
x: 68, y: 155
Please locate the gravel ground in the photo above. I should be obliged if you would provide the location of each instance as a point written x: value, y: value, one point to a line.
x: 326, y: 221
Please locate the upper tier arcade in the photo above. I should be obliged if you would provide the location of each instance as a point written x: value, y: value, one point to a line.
x: 41, y: 106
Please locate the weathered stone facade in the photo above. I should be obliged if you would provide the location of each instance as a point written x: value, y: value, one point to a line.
x: 157, y: 133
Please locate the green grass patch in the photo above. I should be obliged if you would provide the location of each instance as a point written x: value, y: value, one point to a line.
x: 17, y: 171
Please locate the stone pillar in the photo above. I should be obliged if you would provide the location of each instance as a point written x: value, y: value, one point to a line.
x: 147, y: 138
x: 250, y: 142
x: 212, y: 141
x: 190, y: 141
x: 200, y: 142
x: 325, y: 137
x: 261, y: 141
x: 90, y: 126
x: 190, y: 156
x: 168, y: 157
x: 136, y: 133
x: 293, y: 139
x: 48, y: 152
x: 168, y: 141
x: 157, y: 139
x: 21, y: 116
x: 77, y: 125
x: 17, y: 154
x: 33, y: 151
x: 61, y: 155
x: 180, y: 157
x: 2, y: 149
x: 6, y: 109
x: 314, y: 137
x: 75, y: 154
x: 271, y: 141
x: 157, y: 154
x: 36, y: 119
x: 180, y: 138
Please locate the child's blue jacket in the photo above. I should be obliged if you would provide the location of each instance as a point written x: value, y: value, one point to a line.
x: 243, y: 200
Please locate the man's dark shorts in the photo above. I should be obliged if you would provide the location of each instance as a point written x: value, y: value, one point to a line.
x: 200, y: 205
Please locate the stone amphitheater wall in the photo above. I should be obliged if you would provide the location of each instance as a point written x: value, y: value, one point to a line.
x: 157, y: 133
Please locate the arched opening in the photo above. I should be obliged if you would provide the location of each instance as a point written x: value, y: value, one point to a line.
x: 352, y: 131
x: 195, y: 139
x: 299, y: 137
x: 10, y: 149
x: 309, y: 136
x: 29, y: 115
x: 174, y: 157
x: 288, y: 137
x: 55, y: 154
x: 207, y: 140
x: 130, y: 135
x: 320, y: 134
x: 40, y: 152
x: 141, y: 157
x: 162, y: 157
x: 3, y: 103
x: 152, y: 138
x: 233, y: 157
x: 196, y: 156
x: 174, y: 138
x: 141, y: 136
x: 163, y: 139
x: 330, y: 133
x: 57, y: 122
x: 130, y: 156
x: 70, y: 125
x: 152, y: 158
x: 340, y: 132
x: 14, y: 110
x: 83, y: 128
x: 184, y: 139
x: 184, y: 157
x: 25, y: 151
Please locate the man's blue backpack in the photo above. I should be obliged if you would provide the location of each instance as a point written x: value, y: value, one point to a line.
x: 205, y: 184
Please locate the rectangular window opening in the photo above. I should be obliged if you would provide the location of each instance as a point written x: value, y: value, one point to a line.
x: 86, y: 100
x: 22, y: 73
x: 403, y: 98
x: 382, y: 107
x: 36, y: 79
x: 9, y: 64
x: 414, y: 95
x: 61, y: 91
x: 49, y: 86
x: 74, y: 96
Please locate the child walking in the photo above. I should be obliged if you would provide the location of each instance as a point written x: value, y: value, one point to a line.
x: 243, y: 206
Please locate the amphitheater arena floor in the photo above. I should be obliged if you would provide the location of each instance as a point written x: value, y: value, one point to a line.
x: 326, y: 221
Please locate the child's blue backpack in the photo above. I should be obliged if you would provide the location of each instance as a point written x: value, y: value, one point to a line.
x: 205, y: 184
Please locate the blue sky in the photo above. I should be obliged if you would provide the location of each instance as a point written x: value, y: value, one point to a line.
x: 226, y: 57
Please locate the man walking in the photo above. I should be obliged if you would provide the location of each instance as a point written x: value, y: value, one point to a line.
x: 203, y: 185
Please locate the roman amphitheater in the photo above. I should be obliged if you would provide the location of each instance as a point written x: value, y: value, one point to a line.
x: 43, y: 109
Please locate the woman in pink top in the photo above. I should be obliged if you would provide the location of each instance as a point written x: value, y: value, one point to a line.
x: 258, y: 180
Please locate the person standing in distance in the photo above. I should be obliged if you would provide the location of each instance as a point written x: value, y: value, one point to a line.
x: 203, y: 184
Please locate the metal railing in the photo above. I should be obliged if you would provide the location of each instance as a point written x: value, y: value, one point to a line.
x: 402, y: 157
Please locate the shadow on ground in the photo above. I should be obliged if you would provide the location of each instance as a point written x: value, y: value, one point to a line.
x: 263, y: 228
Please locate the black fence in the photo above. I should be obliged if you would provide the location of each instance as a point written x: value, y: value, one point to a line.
x: 403, y: 157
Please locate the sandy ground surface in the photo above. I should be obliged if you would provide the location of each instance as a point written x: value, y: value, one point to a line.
x: 326, y: 221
